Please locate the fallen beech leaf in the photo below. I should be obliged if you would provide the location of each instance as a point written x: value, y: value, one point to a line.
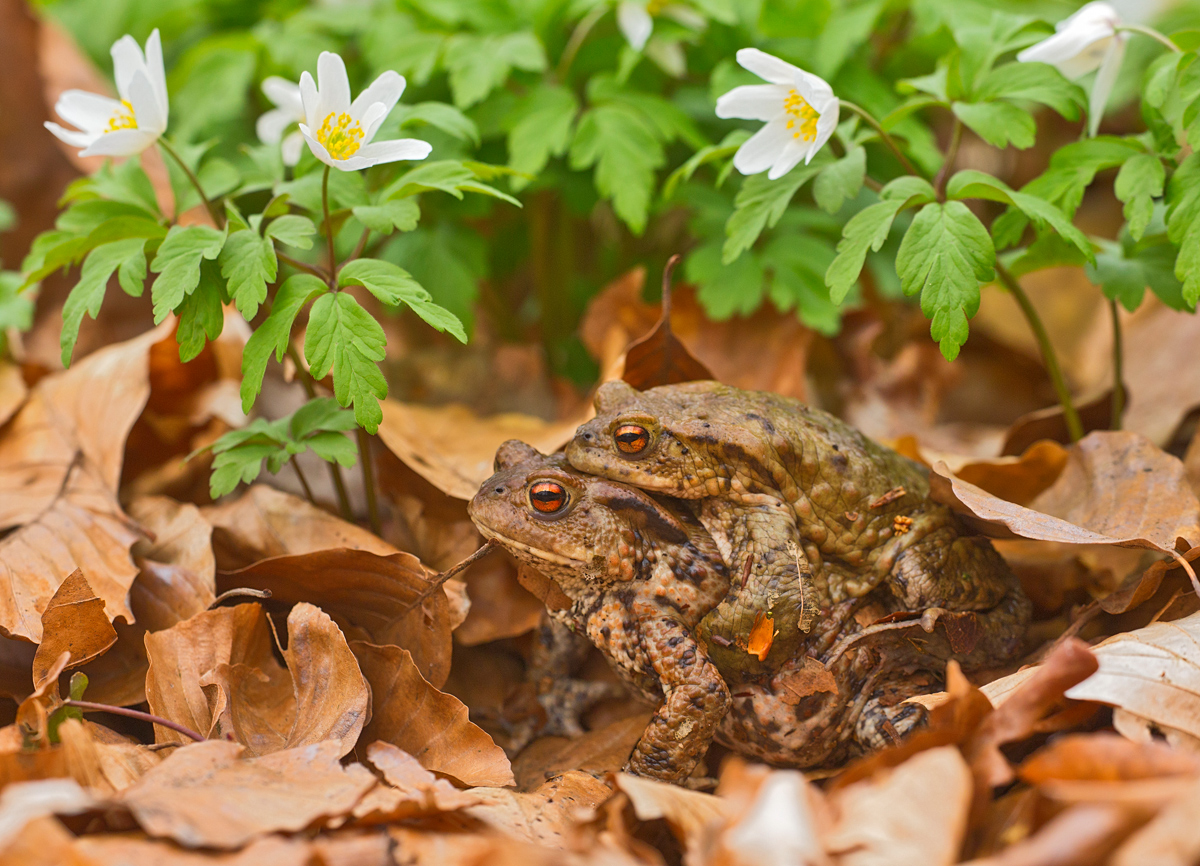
x: 1101, y: 757
x: 33, y: 713
x: 432, y: 726
x: 658, y: 357
x: 130, y: 850
x: 1014, y: 479
x: 12, y: 390
x: 1133, y: 727
x: 1170, y: 839
x: 1049, y: 424
x: 182, y: 537
x: 500, y: 606
x: 44, y: 842
x: 692, y: 815
x: 73, y: 622
x: 264, y: 522
x: 411, y: 790
x: 1162, y: 390
x: 207, y: 795
x: 913, y: 815
x: 773, y: 816
x: 101, y: 760
x: 1081, y: 835
x: 26, y: 801
x: 372, y: 596
x: 545, y: 815
x: 1153, y: 672
x: 453, y: 448
x: 601, y: 751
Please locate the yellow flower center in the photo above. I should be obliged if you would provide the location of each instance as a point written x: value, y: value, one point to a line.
x: 654, y: 7
x: 122, y: 118
x: 341, y: 135
x: 802, y: 115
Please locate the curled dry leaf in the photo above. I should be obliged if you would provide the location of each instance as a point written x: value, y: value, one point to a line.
x: 913, y: 815
x: 659, y: 358
x: 27, y: 801
x: 432, y: 726
x: 73, y: 622
x: 1014, y: 479
x: 411, y: 790
x: 500, y: 606
x: 101, y: 760
x: 773, y: 819
x: 1169, y: 839
x: 373, y: 596
x: 12, y: 390
x: 181, y: 536
x: 60, y: 463
x: 128, y: 849
x: 692, y: 815
x: 209, y: 795
x: 546, y: 815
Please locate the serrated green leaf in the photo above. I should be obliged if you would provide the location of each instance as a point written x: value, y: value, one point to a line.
x: 16, y: 307
x: 479, y: 64
x: 726, y: 148
x: 248, y: 262
x: 88, y: 293
x: 1138, y: 183
x: 398, y: 214
x: 998, y: 123
x: 393, y: 285
x: 840, y: 180
x: 1183, y: 225
x: 626, y: 152
x: 323, y: 413
x: 726, y: 290
x: 275, y: 332
x: 1124, y: 270
x: 177, y: 264
x: 200, y: 315
x: 866, y: 230
x: 292, y: 229
x: 760, y: 203
x: 797, y: 266
x: 345, y: 338
x: 945, y: 255
x: 1036, y: 82
x: 540, y: 127
x: 445, y: 117
x: 334, y: 447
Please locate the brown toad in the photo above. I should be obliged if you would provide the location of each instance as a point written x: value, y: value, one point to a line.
x: 642, y: 574
x: 796, y: 498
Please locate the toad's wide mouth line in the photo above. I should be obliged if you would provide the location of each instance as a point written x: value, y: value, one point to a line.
x: 545, y: 555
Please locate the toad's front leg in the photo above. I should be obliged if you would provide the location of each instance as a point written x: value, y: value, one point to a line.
x: 696, y: 700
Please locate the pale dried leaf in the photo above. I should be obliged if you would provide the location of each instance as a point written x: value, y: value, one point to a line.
x: 1170, y: 839
x: 44, y: 842
x: 102, y: 761
x: 774, y: 816
x: 12, y: 390
x: 411, y: 790
x: 136, y: 850
x: 430, y: 725
x: 546, y: 815
x: 691, y: 814
x: 181, y: 536
x: 73, y: 622
x: 605, y: 749
x: 22, y: 802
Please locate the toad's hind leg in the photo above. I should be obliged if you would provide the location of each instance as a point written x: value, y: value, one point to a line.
x: 886, y: 718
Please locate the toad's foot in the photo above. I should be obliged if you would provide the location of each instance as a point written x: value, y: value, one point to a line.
x: 566, y: 701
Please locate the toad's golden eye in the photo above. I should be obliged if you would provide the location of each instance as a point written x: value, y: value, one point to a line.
x: 631, y: 439
x: 547, y: 497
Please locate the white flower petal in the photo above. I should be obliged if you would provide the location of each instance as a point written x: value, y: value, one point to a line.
x: 285, y: 95
x: 123, y: 142
x: 793, y: 152
x: 753, y: 102
x: 333, y: 86
x: 71, y: 136
x: 310, y: 99
x: 1103, y: 85
x: 767, y: 67
x: 85, y: 110
x: 635, y: 23
x: 826, y: 126
x: 1080, y: 43
x: 127, y: 59
x: 371, y: 119
x: 686, y: 16
x: 764, y: 148
x: 156, y: 74
x: 385, y: 151
x: 318, y: 149
x: 668, y: 56
x: 146, y: 109
x: 271, y: 125
x: 291, y: 148
x: 386, y: 89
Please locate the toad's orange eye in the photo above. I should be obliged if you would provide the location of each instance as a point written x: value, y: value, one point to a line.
x: 547, y: 496
x: 631, y: 439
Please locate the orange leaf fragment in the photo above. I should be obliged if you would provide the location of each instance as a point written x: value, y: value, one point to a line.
x: 762, y: 635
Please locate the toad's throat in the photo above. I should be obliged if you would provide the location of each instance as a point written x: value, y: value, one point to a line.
x: 537, y: 553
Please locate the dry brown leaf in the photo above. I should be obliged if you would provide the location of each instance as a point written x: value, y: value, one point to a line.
x: 912, y: 815
x: 1014, y: 479
x: 1191, y: 462
x: 136, y: 850
x: 23, y: 802
x: 603, y: 750
x: 692, y: 815
x: 73, y: 622
x: 372, y: 596
x: 432, y: 726
x: 1153, y: 672
x: 181, y: 536
x: 411, y: 790
x: 208, y: 795
x: 775, y: 818
x: 500, y: 606
x: 12, y: 390
x: 33, y: 714
x: 545, y: 815
x: 1162, y: 389
x: 101, y: 760
x: 1082, y: 835
x: 1170, y: 839
x: 658, y: 357
x: 44, y: 842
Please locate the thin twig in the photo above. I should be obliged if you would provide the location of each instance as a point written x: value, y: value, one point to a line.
x: 1049, y: 358
x: 239, y: 592
x: 887, y: 139
x: 136, y: 714
x: 1118, y: 394
x: 368, y: 475
x: 943, y: 175
x: 217, y: 219
x: 437, y: 580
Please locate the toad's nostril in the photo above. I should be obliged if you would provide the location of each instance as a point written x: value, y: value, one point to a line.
x: 499, y: 489
x: 587, y: 437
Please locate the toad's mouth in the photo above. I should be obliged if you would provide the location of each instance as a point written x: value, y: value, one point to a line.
x: 520, y: 547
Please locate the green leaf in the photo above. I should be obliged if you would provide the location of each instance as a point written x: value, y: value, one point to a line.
x: 840, y: 180
x: 345, y: 338
x: 88, y: 293
x: 16, y: 307
x: 1047, y: 251
x: 480, y: 64
x: 866, y: 230
x: 1138, y: 183
x: 1125, y: 268
x: 8, y: 216
x: 540, y: 127
x: 998, y: 123
x: 393, y: 285
x: 1036, y: 82
x: 275, y: 332
x: 945, y: 255
x: 398, y: 214
x: 178, y: 265
x: 760, y: 203
x: 728, y: 147
x: 200, y: 314
x: 292, y: 229
x: 445, y: 117
x: 726, y: 290
x: 798, y: 266
x: 1183, y: 225
x: 248, y: 262
x: 626, y: 151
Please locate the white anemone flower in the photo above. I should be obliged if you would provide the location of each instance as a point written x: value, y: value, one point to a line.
x: 635, y: 19
x: 339, y: 131
x: 124, y: 126
x: 289, y: 109
x: 799, y: 108
x: 1086, y: 42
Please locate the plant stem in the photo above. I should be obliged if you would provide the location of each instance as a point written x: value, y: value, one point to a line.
x: 438, y: 579
x: 239, y: 592
x: 943, y: 175
x: 358, y: 249
x: 1153, y: 34
x: 368, y: 474
x: 319, y: 273
x: 887, y: 139
x: 335, y: 471
x: 575, y: 42
x: 136, y: 714
x: 217, y: 219
x: 329, y: 229
x: 1118, y: 394
x: 303, y: 481
x: 1049, y: 358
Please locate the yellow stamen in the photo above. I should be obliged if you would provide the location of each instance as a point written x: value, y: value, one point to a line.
x: 122, y: 118
x: 656, y: 6
x: 799, y: 109
x: 341, y: 135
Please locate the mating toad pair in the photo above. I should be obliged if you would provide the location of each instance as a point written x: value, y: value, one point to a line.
x: 774, y: 578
